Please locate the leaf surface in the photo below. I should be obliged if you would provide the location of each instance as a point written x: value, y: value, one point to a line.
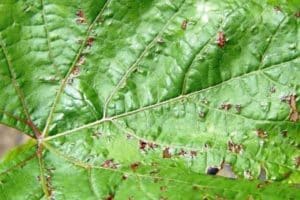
x: 148, y: 100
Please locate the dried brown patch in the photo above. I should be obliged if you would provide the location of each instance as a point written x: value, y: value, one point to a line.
x: 110, y: 164
x: 76, y: 71
x: 226, y: 106
x: 134, y: 166
x: 166, y: 153
x: 80, y: 17
x: 261, y: 133
x: 291, y: 101
x: 90, y: 41
x: 221, y: 39
x: 182, y: 152
x: 184, y: 24
x: 193, y: 153
x: 235, y: 148
x: 143, y: 145
x: 294, y: 115
x: 110, y: 197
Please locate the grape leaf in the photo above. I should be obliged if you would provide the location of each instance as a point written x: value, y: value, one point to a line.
x: 150, y: 99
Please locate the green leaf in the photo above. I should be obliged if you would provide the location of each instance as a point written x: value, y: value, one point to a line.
x: 141, y: 99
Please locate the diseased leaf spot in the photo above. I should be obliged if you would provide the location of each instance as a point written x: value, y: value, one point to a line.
x: 261, y: 134
x: 184, y: 24
x: 212, y: 170
x: 124, y: 177
x: 234, y: 148
x: 110, y: 164
x: 221, y: 40
x: 166, y: 153
x: 76, y: 71
x: 143, y: 145
x: 226, y: 106
x: 90, y: 41
x: 147, y: 145
x: 291, y: 101
x: 297, y: 14
x: 193, y: 153
x: 81, y: 60
x: 134, y: 166
x: 294, y: 115
x: 284, y: 133
x: 80, y: 17
x: 182, y: 152
x: 110, y: 197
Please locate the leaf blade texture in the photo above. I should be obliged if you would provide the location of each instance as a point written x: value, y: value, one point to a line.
x: 150, y: 100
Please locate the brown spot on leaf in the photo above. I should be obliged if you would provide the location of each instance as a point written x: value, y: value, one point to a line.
x: 109, y: 164
x: 110, y: 197
x: 90, y: 41
x: 81, y: 60
x: 182, y: 152
x: 294, y: 115
x: 166, y: 153
x: 80, y: 17
x: 226, y: 106
x: 284, y: 133
x: 147, y: 145
x: 184, y: 24
x: 291, y: 101
x: 76, y: 71
x: 124, y: 177
x: 134, y: 166
x: 143, y: 145
x: 193, y: 153
x: 261, y: 134
x: 152, y: 145
x: 297, y: 14
x: 221, y: 40
x: 234, y: 148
